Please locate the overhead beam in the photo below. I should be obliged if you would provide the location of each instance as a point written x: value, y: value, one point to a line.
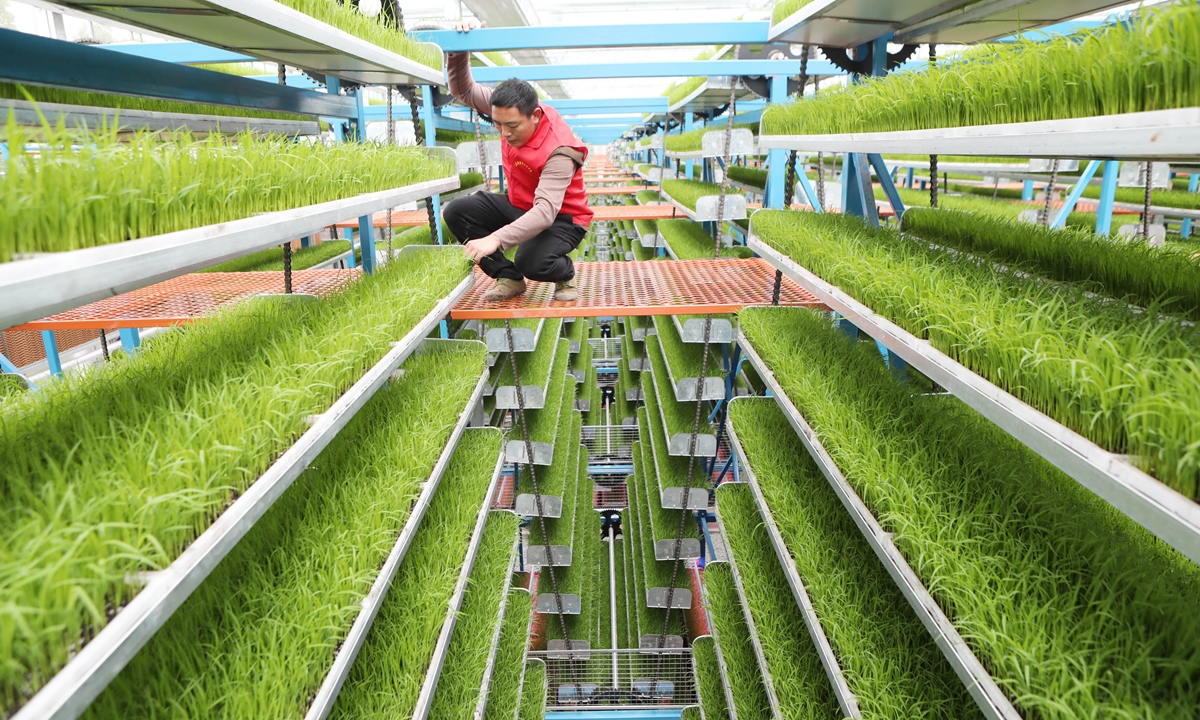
x: 597, y: 36
x: 184, y: 53
x: 687, y: 68
x: 34, y: 60
x: 612, y: 105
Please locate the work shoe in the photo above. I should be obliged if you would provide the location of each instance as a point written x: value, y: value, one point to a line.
x: 504, y: 289
x: 566, y: 291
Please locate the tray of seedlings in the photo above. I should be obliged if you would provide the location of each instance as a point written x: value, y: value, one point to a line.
x: 974, y: 501
x: 556, y: 482
x: 261, y: 631
x: 129, y: 419
x: 534, y: 367
x: 682, y: 349
x: 1106, y: 391
x: 701, y: 201
x: 675, y: 419
x: 888, y: 661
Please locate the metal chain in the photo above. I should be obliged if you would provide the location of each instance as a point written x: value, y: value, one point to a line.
x: 1146, y: 202
x: 104, y: 346
x: 287, y: 268
x: 933, y: 159
x: 282, y: 74
x: 483, y: 166
x: 821, y: 178
x: 1044, y: 220
x: 391, y: 140
x: 537, y: 494
x: 789, y: 181
x: 418, y: 133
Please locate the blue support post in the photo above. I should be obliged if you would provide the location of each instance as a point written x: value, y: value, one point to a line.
x: 879, y: 55
x: 908, y: 178
x: 366, y: 240
x: 1026, y: 191
x: 1076, y: 192
x: 52, y: 357
x: 857, y: 189
x: 688, y: 123
x: 889, y: 187
x: 360, y: 122
x: 1185, y: 230
x: 130, y: 340
x: 444, y: 330
x: 1108, y: 194
x: 894, y: 362
x: 776, y: 159
x: 847, y: 327
x: 429, y: 119
x: 6, y: 366
x: 334, y: 87
x: 306, y: 241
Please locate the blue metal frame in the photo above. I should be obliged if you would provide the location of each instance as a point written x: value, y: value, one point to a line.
x: 183, y: 53
x: 1185, y: 228
x: 683, y: 68
x: 1076, y: 192
x: 131, y: 340
x: 858, y: 192
x: 53, y: 360
x: 366, y: 240
x: 34, y: 60
x: 776, y: 159
x: 602, y: 106
x: 429, y: 119
x: 889, y: 186
x: 597, y: 36
x: 1108, y: 195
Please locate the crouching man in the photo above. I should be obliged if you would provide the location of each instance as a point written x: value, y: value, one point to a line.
x: 545, y: 214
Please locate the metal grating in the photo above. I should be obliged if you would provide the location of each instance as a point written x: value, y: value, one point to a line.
x: 606, y: 352
x: 619, y: 190
x: 636, y: 212
x: 607, y: 439
x: 619, y: 679
x: 684, y: 287
x: 400, y: 218
x: 181, y: 300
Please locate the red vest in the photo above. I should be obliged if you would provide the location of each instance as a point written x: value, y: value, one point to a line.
x: 523, y: 166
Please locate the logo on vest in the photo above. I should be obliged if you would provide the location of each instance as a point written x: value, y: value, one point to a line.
x: 521, y: 164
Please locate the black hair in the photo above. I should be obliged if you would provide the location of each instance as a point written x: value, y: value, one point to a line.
x: 516, y: 93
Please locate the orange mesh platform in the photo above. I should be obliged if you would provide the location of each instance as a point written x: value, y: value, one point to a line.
x: 400, y: 218
x: 650, y: 287
x: 608, y: 178
x: 637, y: 212
x: 181, y: 300
x: 619, y: 190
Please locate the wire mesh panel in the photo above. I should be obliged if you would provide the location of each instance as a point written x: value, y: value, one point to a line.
x: 605, y: 351
x: 615, y: 679
x: 602, y: 440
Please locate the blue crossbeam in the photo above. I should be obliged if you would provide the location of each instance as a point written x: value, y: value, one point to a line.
x: 35, y: 60
x: 682, y: 68
x: 184, y: 53
x: 612, y: 105
x: 591, y: 36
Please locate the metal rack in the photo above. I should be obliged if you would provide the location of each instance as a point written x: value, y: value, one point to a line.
x: 983, y: 689
x: 129, y: 120
x: 1172, y: 517
x: 685, y: 387
x: 68, y: 694
x: 833, y: 669
x: 706, y: 207
x: 31, y: 289
x: 327, y: 695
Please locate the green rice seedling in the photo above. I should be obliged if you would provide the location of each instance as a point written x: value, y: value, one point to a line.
x: 647, y: 197
x: 575, y: 528
x: 962, y: 203
x: 504, y: 695
x: 116, y: 471
x: 256, y: 639
x: 654, y: 574
x: 419, y: 235
x: 390, y: 670
x: 533, y: 691
x: 754, y: 177
x: 684, y: 359
x: 347, y: 18
x: 558, y: 478
x: 462, y: 677
x: 989, y: 191
x: 1151, y: 62
x: 11, y: 386
x: 37, y: 95
x: 544, y: 425
x: 708, y: 674
x: 690, y: 241
x: 660, y: 471
x: 642, y: 618
x: 1086, y: 221
x: 1164, y: 198
x: 785, y: 8
x: 680, y: 416
x: 890, y: 661
x: 85, y: 189
x: 1119, y: 377
x: 693, y: 140
x: 687, y: 192
x: 745, y: 677
x: 272, y: 258
x: 469, y: 180
x: 1072, y: 608
x: 676, y: 93
x: 800, y: 683
x: 544, y: 362
x: 1130, y: 271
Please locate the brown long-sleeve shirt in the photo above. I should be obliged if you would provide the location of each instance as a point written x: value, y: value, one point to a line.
x: 556, y: 175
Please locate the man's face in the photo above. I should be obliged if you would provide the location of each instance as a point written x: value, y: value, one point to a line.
x: 514, y: 127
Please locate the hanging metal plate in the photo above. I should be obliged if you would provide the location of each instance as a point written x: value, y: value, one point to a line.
x: 514, y: 452
x: 714, y: 389
x: 638, y: 365
x: 657, y: 598
x: 692, y: 330
x: 506, y: 397
x: 741, y: 142
x: 634, y: 395
x: 525, y: 339
x: 672, y: 499
x: 583, y: 405
x: 560, y: 555
x: 571, y: 604
x: 689, y: 549
x: 706, y: 208
x: 579, y: 375
x: 558, y: 650
x: 468, y: 154
x: 706, y: 445
x: 526, y: 505
x: 576, y: 346
x: 650, y: 642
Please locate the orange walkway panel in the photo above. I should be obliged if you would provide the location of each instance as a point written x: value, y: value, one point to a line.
x: 400, y: 218
x: 650, y: 287
x: 181, y: 300
x: 619, y: 190
x: 637, y: 212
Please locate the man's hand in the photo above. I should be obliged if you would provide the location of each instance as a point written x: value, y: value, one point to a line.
x: 468, y: 25
x: 481, y: 248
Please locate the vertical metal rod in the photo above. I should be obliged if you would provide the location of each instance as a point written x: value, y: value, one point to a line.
x: 1146, y: 203
x: 1045, y: 219
x: 287, y: 268
x: 52, y: 358
x: 104, y: 346
x: 612, y: 595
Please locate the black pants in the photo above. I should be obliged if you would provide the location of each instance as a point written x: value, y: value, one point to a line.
x: 542, y: 257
